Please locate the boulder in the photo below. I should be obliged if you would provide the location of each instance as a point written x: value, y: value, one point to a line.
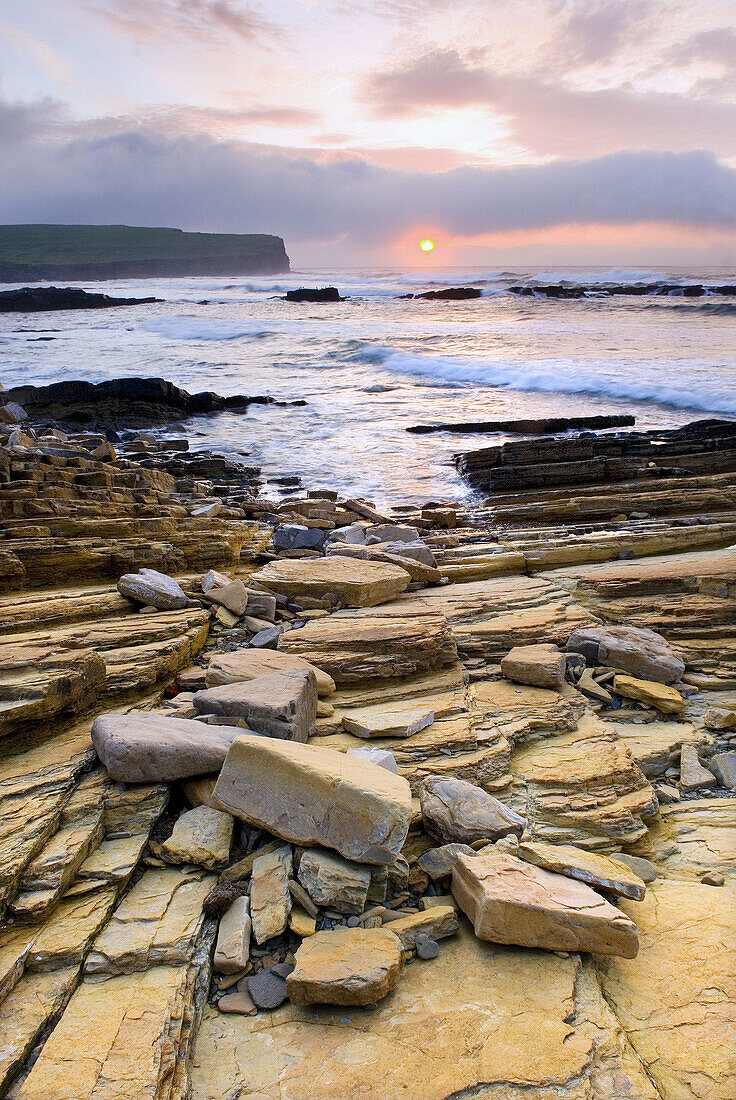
x: 233, y: 938
x: 723, y: 766
x: 314, y: 294
x: 316, y: 796
x: 149, y: 587
x: 333, y: 882
x: 245, y: 664
x: 280, y: 704
x: 382, y: 757
x: 233, y: 597
x: 201, y: 836
x: 455, y: 811
x: 356, y: 583
x: 392, y: 532
x: 654, y: 694
x: 295, y: 536
x: 147, y: 748
x: 351, y: 966
x: 418, y: 550
x: 270, y: 898
x: 509, y: 901
x: 601, y: 872
x: 355, y: 646
x: 541, y: 665
x: 640, y: 652
x: 439, y: 862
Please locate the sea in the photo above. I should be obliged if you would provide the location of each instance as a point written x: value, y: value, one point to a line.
x: 373, y: 365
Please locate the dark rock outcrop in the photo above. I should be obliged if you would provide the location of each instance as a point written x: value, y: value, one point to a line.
x: 123, y: 402
x: 450, y: 293
x: 38, y: 299
x: 314, y: 294
x: 528, y: 427
x: 560, y: 290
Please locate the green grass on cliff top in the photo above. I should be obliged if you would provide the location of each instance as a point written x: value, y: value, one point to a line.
x: 77, y: 244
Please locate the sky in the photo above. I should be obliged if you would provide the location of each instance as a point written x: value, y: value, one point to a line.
x: 508, y: 131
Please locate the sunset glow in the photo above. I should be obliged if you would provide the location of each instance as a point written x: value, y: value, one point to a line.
x: 426, y: 245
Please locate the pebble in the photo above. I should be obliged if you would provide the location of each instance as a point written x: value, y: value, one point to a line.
x: 353, y: 922
x: 712, y: 878
x: 427, y: 948
x: 267, y: 989
x: 283, y: 969
x: 238, y: 1003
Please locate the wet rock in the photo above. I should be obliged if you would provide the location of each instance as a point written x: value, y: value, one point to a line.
x: 665, y: 699
x: 245, y: 664
x: 143, y: 748
x: 640, y: 652
x: 314, y: 294
x: 541, y: 665
x: 280, y: 704
x: 509, y: 901
x: 148, y: 586
x: 351, y: 966
x: 455, y: 811
x: 332, y: 882
x: 201, y: 836
x: 315, y: 796
x: 233, y: 938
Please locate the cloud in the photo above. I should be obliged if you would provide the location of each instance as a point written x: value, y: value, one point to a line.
x: 553, y: 119
x: 144, y: 22
x: 595, y: 30
x: 177, y: 119
x: 144, y: 178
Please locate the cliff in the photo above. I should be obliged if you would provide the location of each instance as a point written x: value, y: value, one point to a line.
x: 33, y: 252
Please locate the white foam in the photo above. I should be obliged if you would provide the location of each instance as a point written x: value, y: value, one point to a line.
x: 203, y: 328
x: 647, y: 381
x: 615, y: 275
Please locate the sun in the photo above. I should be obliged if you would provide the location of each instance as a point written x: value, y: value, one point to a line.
x: 426, y: 245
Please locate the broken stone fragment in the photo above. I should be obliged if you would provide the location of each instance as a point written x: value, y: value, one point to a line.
x: 333, y: 882
x: 382, y: 757
x: 233, y: 597
x: 202, y: 836
x: 720, y: 718
x: 640, y: 652
x: 301, y: 923
x: 723, y: 766
x: 315, y: 796
x: 351, y: 966
x: 295, y: 536
x: 402, y: 720
x: 439, y: 862
x: 455, y: 811
x: 270, y: 897
x: 245, y: 664
x: 601, y: 872
x: 693, y: 776
x: 240, y: 1004
x: 437, y: 922
x: 148, y: 586
x: 146, y: 748
x: 540, y: 665
x: 267, y: 989
x: 214, y: 579
x: 233, y: 939
x: 509, y: 901
x: 280, y: 704
x: 356, y: 583
x: 654, y: 694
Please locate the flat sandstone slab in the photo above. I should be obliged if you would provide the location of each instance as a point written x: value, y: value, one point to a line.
x: 600, y: 872
x: 310, y: 795
x: 351, y: 966
x: 356, y: 583
x: 143, y: 748
x: 246, y: 664
x: 509, y: 901
x: 499, y: 1023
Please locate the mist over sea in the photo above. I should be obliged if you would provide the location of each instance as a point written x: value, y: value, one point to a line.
x: 373, y: 365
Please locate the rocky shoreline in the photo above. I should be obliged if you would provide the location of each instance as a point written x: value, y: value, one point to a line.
x: 305, y: 799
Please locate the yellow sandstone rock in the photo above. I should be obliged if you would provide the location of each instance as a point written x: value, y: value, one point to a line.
x: 664, y: 698
x: 350, y: 966
x: 356, y: 583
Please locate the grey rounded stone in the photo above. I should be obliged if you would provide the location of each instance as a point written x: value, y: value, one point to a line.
x: 267, y: 989
x: 353, y: 922
x: 427, y: 948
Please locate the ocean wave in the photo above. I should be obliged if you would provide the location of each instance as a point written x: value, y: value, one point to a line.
x: 654, y: 383
x: 710, y: 309
x: 615, y: 275
x: 203, y: 328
